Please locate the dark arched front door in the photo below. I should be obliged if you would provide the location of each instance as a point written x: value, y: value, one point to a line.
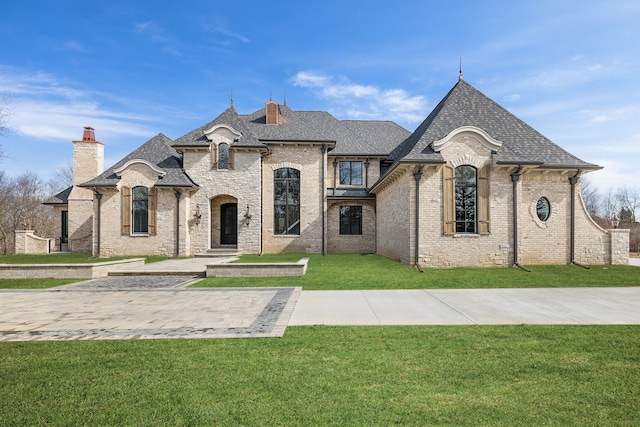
x: 229, y: 224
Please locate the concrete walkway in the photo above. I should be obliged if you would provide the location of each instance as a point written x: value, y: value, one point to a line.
x: 195, y: 267
x: 543, y: 306
x: 155, y: 303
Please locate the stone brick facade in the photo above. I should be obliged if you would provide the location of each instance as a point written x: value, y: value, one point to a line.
x: 214, y: 188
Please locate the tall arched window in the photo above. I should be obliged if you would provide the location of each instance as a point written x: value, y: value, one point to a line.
x: 223, y: 156
x: 140, y: 210
x: 286, y: 201
x: 466, y: 199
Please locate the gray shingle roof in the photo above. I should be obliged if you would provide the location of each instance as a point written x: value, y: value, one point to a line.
x: 466, y: 106
x: 357, y: 137
x: 157, y: 151
x: 228, y: 117
x: 62, y: 198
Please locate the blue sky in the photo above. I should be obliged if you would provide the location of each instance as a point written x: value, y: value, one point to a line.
x: 132, y: 69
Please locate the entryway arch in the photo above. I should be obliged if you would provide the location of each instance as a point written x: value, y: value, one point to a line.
x: 224, y: 221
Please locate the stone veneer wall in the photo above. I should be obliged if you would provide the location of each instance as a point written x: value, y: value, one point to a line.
x: 242, y: 184
x: 26, y: 242
x: 394, y: 219
x: 538, y: 242
x: 364, y: 243
x: 113, y: 243
x: 308, y: 159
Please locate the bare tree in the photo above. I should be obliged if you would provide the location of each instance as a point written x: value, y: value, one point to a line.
x: 62, y: 179
x: 21, y: 208
x: 590, y: 196
x: 609, y: 204
x: 629, y: 199
x: 5, y: 112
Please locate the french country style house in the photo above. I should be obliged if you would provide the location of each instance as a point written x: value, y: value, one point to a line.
x: 473, y: 185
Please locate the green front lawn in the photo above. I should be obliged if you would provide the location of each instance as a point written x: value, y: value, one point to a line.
x: 348, y: 376
x: 35, y: 283
x: 71, y: 258
x: 337, y: 272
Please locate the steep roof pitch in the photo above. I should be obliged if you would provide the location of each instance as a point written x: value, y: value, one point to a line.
x: 229, y: 117
x: 157, y: 151
x: 466, y: 106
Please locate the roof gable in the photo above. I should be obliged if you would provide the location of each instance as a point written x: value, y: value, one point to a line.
x: 156, y: 152
x: 466, y: 106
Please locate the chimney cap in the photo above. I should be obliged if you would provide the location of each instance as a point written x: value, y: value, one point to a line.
x: 89, y: 134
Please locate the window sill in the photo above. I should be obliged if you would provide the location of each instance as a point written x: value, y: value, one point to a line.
x: 285, y: 236
x: 466, y: 235
x: 139, y: 235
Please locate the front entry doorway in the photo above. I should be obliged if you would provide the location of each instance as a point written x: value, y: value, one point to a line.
x: 229, y: 224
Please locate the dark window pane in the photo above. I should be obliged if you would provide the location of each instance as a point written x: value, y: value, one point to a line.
x: 223, y: 156
x: 543, y: 209
x: 286, y: 200
x: 351, y: 220
x: 351, y: 173
x: 140, y: 210
x: 466, y: 199
x: 356, y: 173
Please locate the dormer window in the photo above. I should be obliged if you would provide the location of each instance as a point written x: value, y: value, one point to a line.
x: 222, y: 138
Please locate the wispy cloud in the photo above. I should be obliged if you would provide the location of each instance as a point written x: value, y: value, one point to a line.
x: 45, y: 108
x: 159, y: 35
x: 364, y: 101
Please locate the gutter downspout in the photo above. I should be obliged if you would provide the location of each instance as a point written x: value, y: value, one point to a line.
x: 515, y: 177
x: 178, y: 194
x: 323, y: 197
x: 573, y: 181
x: 98, y: 220
x: 417, y: 175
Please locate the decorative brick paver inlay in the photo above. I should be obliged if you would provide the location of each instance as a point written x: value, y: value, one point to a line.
x: 143, y: 313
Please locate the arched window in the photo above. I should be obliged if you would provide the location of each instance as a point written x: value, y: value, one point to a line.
x: 286, y: 201
x: 140, y: 209
x: 466, y: 199
x: 223, y: 156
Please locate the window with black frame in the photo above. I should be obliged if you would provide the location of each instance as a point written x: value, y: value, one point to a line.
x: 140, y: 210
x: 351, y: 173
x: 286, y: 201
x: 466, y: 199
x: 350, y: 220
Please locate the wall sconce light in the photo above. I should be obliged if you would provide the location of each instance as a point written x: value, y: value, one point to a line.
x: 615, y: 221
x: 197, y: 216
x: 247, y: 217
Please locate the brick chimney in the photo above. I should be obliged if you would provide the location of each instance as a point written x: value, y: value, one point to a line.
x: 273, y: 113
x: 88, y: 157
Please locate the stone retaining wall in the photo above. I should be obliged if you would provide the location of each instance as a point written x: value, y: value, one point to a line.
x: 66, y: 271
x: 258, y: 269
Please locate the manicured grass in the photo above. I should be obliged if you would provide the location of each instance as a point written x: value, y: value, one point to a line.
x: 475, y: 375
x: 69, y: 258
x: 355, y: 272
x: 35, y: 283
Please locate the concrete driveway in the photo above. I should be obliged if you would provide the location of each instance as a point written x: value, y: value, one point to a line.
x: 543, y: 306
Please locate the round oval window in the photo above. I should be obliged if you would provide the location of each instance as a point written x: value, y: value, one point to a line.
x: 543, y: 208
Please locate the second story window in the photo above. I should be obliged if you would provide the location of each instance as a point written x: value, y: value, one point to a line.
x: 351, y: 173
x: 223, y: 156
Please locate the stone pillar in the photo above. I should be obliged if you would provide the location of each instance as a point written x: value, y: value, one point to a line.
x: 619, y: 249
